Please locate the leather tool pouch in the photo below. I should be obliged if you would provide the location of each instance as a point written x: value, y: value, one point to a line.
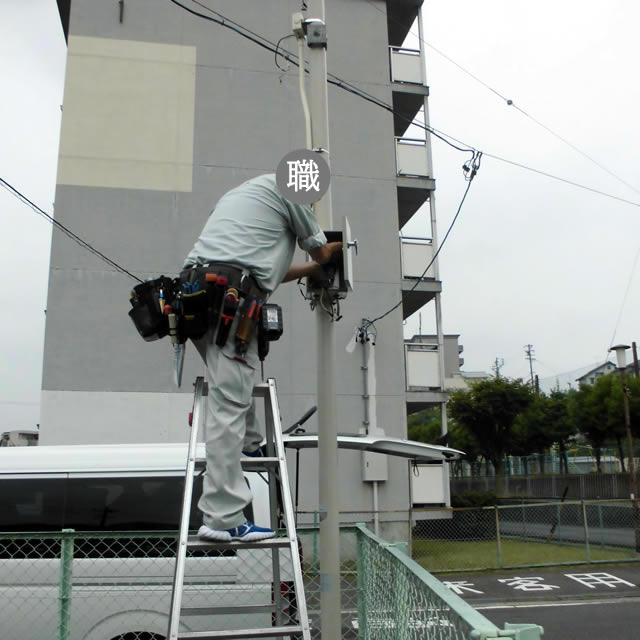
x: 147, y: 302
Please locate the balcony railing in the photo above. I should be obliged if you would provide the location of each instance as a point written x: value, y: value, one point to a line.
x: 416, y: 254
x: 406, y: 65
x: 422, y: 366
x: 412, y: 157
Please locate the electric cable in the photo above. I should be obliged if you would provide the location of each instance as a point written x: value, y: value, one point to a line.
x: 471, y: 170
x: 624, y: 299
x: 284, y: 69
x: 508, y: 101
x: 265, y: 43
x: 565, y: 180
x: 363, y: 94
x: 70, y: 234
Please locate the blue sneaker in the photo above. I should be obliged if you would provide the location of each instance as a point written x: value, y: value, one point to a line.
x: 253, y: 454
x: 247, y: 532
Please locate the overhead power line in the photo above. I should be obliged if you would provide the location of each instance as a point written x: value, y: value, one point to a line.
x: 292, y: 58
x: 70, y: 234
x: 471, y: 169
x: 346, y: 86
x: 508, y: 101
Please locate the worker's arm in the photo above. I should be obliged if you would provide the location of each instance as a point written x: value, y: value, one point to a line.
x: 321, y: 255
x: 304, y: 270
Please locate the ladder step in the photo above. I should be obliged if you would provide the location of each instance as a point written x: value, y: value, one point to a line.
x: 193, y: 542
x: 266, y: 632
x: 248, y: 464
x: 230, y: 610
x: 261, y: 390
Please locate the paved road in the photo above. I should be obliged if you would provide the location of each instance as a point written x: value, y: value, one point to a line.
x: 570, y: 603
x: 608, y: 619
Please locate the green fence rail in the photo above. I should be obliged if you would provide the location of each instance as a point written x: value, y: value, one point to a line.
x: 399, y: 599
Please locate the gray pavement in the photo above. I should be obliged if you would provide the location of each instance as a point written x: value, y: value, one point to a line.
x: 570, y: 603
x: 555, y: 583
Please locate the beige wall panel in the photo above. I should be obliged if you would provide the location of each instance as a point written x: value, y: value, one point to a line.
x: 132, y: 125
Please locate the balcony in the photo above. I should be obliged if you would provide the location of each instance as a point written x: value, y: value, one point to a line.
x: 422, y: 376
x: 413, y: 169
x: 418, y: 287
x: 416, y: 254
x: 412, y: 158
x: 422, y: 370
x: 406, y: 65
x: 408, y: 85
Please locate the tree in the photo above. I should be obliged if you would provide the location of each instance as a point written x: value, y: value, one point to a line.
x: 545, y: 422
x: 598, y: 411
x: 424, y: 426
x: 488, y: 412
x: 590, y: 419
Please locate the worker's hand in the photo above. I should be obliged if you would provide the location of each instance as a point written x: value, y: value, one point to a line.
x: 318, y: 272
x: 334, y: 247
x: 324, y: 253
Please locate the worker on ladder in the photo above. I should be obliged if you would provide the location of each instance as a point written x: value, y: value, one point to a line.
x: 243, y: 253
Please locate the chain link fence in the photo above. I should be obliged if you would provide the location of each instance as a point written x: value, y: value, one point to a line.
x: 399, y: 599
x: 593, y: 486
x: 117, y: 586
x: 523, y: 535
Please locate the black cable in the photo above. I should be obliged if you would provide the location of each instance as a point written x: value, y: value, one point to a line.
x: 77, y: 239
x: 277, y: 48
x: 290, y: 57
x: 287, y: 55
x: 471, y: 170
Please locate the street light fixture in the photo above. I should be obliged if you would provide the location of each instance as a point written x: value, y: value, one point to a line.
x: 621, y: 356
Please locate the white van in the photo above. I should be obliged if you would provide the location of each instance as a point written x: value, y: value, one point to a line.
x: 122, y: 581
x: 121, y: 585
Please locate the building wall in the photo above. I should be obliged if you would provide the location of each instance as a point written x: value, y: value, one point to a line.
x: 162, y: 114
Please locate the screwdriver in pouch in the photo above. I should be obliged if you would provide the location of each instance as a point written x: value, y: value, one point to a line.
x: 247, y: 324
x: 229, y: 308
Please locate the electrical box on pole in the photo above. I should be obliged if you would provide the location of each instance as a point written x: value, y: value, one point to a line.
x: 340, y: 268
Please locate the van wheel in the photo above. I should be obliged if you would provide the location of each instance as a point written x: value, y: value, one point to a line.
x: 139, y: 635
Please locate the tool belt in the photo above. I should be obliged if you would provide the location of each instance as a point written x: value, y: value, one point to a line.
x: 205, y: 298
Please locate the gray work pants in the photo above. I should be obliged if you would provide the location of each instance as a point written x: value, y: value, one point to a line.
x: 230, y: 427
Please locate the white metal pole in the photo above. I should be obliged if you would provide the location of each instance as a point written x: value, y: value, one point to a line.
x: 330, y: 615
x: 436, y: 265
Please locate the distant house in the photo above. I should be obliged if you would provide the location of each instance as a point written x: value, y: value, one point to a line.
x: 591, y: 376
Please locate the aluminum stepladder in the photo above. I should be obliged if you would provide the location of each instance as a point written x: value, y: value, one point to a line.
x: 276, y: 465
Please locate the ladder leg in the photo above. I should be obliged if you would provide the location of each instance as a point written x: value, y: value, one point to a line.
x: 197, y: 418
x: 272, y: 411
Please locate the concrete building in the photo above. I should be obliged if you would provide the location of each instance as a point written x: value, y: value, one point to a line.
x: 163, y: 112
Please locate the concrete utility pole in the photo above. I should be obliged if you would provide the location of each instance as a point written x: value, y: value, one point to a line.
x: 528, y: 350
x: 620, y: 351
x: 497, y: 365
x: 330, y: 615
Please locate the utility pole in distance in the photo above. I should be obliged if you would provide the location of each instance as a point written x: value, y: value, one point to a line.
x: 497, y: 365
x: 528, y: 350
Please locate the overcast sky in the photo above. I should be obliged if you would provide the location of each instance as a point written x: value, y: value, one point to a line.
x: 530, y: 259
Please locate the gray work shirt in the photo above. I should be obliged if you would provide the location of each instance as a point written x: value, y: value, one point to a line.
x: 254, y: 226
